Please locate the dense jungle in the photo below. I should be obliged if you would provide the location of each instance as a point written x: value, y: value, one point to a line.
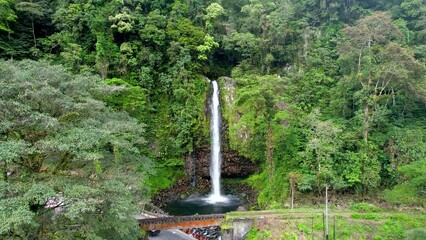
x: 104, y: 107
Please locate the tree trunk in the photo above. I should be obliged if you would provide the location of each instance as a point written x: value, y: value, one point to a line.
x: 103, y: 66
x: 269, y: 154
x: 319, y: 170
x: 366, y: 123
x: 34, y: 37
x: 305, y: 44
x: 9, y: 37
x: 393, y: 98
x: 5, y: 172
x: 8, y: 33
x: 292, y: 189
x: 63, y: 161
x: 359, y: 61
x: 323, y: 3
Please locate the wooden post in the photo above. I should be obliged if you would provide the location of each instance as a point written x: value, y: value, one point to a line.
x: 326, y: 212
x: 323, y: 225
x: 312, y: 227
x: 292, y: 189
x: 334, y: 228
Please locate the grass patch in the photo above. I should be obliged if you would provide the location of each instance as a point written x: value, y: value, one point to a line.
x: 303, y: 228
x: 225, y: 225
x: 257, y: 234
x: 365, y: 208
x: 367, y: 216
x: 362, y: 221
x: 417, y: 234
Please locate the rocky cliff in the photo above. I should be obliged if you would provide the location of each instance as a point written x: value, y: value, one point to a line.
x: 233, y: 165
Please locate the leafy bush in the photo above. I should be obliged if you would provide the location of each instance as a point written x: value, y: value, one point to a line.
x: 392, y: 230
x: 303, y: 228
x: 367, y: 216
x: 365, y: 207
x: 289, y: 236
x: 416, y: 234
x: 412, y: 189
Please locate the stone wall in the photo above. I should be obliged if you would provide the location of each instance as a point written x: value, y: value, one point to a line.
x: 238, y: 229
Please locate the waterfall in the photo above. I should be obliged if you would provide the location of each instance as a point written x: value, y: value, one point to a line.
x: 215, y: 202
x: 216, y: 160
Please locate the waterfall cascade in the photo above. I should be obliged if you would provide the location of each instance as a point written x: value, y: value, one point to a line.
x: 216, y: 195
x: 215, y: 202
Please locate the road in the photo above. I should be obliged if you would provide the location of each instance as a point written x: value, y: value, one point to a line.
x: 172, y: 234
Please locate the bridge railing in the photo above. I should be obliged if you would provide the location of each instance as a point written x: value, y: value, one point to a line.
x: 147, y: 221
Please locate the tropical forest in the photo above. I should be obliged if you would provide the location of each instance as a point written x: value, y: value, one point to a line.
x: 275, y: 119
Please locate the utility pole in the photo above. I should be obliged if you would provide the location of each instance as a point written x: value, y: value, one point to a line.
x: 326, y: 212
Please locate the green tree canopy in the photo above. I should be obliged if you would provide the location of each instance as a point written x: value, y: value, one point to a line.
x: 61, y: 145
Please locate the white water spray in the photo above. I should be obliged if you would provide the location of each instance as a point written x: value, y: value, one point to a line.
x: 216, y: 160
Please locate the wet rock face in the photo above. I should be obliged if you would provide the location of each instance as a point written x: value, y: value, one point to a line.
x: 233, y: 165
x: 183, y: 188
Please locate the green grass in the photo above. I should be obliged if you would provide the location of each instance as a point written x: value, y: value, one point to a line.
x: 367, y: 216
x: 365, y: 207
x: 257, y: 234
x: 360, y: 221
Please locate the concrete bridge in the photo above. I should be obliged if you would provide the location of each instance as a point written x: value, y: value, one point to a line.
x: 179, y: 222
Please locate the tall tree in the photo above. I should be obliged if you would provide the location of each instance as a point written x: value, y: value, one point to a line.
x: 323, y: 145
x: 382, y: 68
x: 33, y: 10
x: 7, y: 14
